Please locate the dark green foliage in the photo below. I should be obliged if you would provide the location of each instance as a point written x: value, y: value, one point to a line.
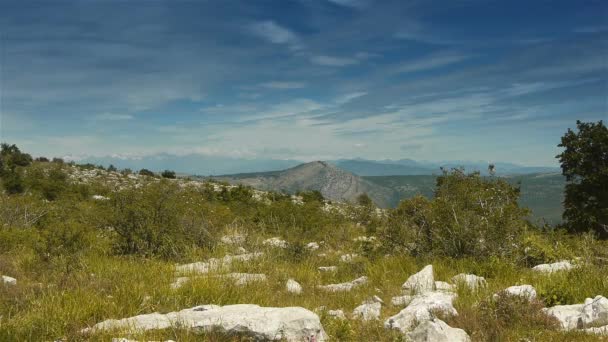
x: 168, y: 174
x: 112, y: 168
x: 58, y: 160
x: 311, y: 196
x: 469, y: 216
x: 364, y: 200
x: 11, y: 162
x: 42, y: 159
x: 49, y: 184
x: 585, y: 164
x: 146, y: 172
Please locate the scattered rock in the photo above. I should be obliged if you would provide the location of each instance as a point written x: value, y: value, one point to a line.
x: 368, y: 311
x: 6, y: 280
x: 402, y: 300
x: 348, y: 257
x: 179, y: 282
x: 420, y: 310
x: 245, y: 278
x: 344, y: 286
x: 275, y: 242
x: 312, y: 246
x: 328, y: 268
x: 420, y: 282
x: 338, y: 314
x: 579, y: 316
x: 598, y: 330
x: 525, y: 291
x: 215, y: 264
x: 100, y: 198
x: 293, y: 286
x: 443, y: 286
x: 436, y: 330
x: 241, y: 250
x: 234, y: 239
x: 470, y: 280
x: 261, y: 323
x: 554, y: 267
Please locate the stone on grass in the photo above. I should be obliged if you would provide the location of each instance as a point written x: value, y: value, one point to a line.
x: 443, y: 286
x: 100, y: 198
x: 215, y: 264
x: 312, y: 246
x: 337, y: 314
x: 234, y: 239
x: 593, y: 312
x: 260, y: 323
x: 245, y: 278
x: 293, y: 286
x: 328, y: 268
x: 421, y: 309
x: 402, y: 300
x: 179, y: 282
x: 420, y: 282
x: 342, y: 287
x: 470, y: 280
x: 598, y: 330
x: 6, y: 280
x: 436, y: 330
x: 275, y: 242
x: 554, y: 267
x: 524, y: 291
x: 368, y: 311
x: 348, y: 257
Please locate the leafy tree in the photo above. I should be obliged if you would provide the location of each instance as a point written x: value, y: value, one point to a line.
x: 311, y: 196
x: 11, y: 158
x: 42, y: 159
x: 364, y: 200
x: 584, y: 162
x: 168, y: 174
x: 112, y: 168
x: 146, y: 172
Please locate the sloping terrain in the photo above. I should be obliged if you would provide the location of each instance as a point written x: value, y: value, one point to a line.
x: 334, y: 183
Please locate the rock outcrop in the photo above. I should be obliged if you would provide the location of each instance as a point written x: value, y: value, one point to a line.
x: 593, y: 312
x: 554, y: 267
x: 436, y: 330
x: 421, y: 309
x: 347, y: 286
x: 524, y: 291
x: 261, y: 323
x: 420, y: 282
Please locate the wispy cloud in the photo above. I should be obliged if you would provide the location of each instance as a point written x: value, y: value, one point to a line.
x: 350, y: 3
x: 275, y: 33
x: 333, y: 61
x: 431, y: 62
x: 114, y: 117
x: 349, y: 97
x: 283, y: 85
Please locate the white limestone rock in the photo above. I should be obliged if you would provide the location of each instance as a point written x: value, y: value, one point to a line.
x: 234, y: 239
x: 312, y: 246
x: 215, y: 264
x: 443, y: 286
x: 348, y: 257
x: 524, y: 291
x: 179, y: 282
x: 100, y: 198
x: 6, y: 280
x: 470, y: 280
x: 328, y: 268
x: 598, y: 330
x: 368, y: 311
x: 245, y: 278
x: 564, y: 265
x: 420, y: 282
x: 402, y: 300
x: 436, y: 330
x: 594, y: 311
x: 337, y: 314
x: 293, y: 286
x: 275, y: 242
x: 343, y: 287
x: 420, y: 310
x: 261, y: 323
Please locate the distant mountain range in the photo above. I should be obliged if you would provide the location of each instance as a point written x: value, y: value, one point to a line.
x: 197, y: 164
x: 541, y: 192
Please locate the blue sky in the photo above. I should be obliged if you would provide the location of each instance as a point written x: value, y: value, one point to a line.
x: 302, y: 79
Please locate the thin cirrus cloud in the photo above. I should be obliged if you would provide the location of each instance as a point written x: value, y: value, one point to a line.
x: 333, y: 61
x: 283, y: 85
x: 431, y: 62
x: 114, y: 117
x: 275, y: 33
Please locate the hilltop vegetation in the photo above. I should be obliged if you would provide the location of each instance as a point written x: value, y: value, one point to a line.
x: 87, y: 244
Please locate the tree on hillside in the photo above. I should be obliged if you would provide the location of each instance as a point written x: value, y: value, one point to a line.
x: 146, y: 172
x: 168, y: 174
x: 585, y: 164
x: 11, y: 159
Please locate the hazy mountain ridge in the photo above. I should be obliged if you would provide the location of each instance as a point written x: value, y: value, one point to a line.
x: 334, y: 183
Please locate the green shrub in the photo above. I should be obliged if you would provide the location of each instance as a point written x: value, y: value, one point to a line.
x: 168, y: 174
x: 146, y: 172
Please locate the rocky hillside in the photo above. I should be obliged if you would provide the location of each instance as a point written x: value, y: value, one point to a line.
x: 334, y: 183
